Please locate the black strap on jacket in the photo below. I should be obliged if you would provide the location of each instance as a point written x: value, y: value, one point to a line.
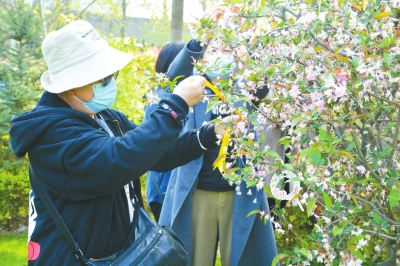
x: 153, y: 179
x: 55, y: 215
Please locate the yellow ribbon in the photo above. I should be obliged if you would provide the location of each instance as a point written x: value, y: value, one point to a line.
x: 215, y: 90
x: 223, y: 151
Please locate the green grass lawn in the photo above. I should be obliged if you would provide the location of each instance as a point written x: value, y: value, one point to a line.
x: 13, y: 249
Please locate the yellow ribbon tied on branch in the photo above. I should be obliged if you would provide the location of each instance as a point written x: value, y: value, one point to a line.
x: 223, y: 151
x: 220, y: 162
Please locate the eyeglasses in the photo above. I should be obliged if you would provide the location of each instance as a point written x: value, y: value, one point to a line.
x: 105, y: 81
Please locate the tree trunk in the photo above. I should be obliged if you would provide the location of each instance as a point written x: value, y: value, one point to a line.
x: 203, y: 4
x: 41, y: 4
x: 123, y: 27
x: 176, y: 21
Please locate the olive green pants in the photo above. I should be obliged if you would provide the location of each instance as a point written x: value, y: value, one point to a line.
x: 211, y: 222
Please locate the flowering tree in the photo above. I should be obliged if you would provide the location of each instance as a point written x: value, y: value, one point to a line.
x: 332, y: 68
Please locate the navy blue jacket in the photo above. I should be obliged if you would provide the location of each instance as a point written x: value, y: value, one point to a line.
x: 84, y: 171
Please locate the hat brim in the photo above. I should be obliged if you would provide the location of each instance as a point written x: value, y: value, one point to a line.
x: 103, y: 64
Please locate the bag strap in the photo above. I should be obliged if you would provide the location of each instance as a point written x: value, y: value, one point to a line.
x: 55, y: 215
x: 155, y: 185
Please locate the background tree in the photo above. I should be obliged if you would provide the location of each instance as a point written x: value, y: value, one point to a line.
x: 20, y: 69
x: 177, y: 20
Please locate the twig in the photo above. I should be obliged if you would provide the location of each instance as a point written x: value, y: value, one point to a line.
x: 258, y: 110
x: 383, y: 99
x: 363, y: 159
x: 373, y: 207
x: 83, y: 10
x: 262, y: 36
x: 355, y: 226
x: 318, y: 40
x: 380, y: 250
x: 395, y: 140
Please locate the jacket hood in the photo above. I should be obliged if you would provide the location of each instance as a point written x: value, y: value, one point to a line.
x: 28, y: 127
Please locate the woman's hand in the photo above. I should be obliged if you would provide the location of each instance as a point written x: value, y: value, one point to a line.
x: 214, y: 14
x: 191, y: 89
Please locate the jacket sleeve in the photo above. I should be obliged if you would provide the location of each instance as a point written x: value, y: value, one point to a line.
x: 187, y: 148
x: 97, y: 164
x: 182, y: 65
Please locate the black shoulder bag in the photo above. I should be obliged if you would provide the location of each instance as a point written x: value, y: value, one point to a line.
x: 148, y: 243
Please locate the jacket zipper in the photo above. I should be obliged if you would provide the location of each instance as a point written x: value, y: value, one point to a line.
x: 112, y: 257
x: 119, y: 127
x: 149, y: 247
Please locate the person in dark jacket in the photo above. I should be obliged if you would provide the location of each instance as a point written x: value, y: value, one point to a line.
x: 157, y: 182
x: 200, y: 205
x: 86, y: 155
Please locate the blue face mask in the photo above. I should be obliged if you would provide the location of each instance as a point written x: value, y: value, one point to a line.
x: 103, y: 97
x: 221, y: 67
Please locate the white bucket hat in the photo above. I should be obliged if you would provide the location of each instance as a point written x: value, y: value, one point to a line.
x: 76, y: 55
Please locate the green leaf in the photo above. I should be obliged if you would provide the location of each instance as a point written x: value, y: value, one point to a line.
x: 310, y: 206
x: 272, y: 153
x: 394, y: 198
x: 358, y: 254
x: 291, y: 158
x: 350, y: 146
x: 289, y: 167
x: 327, y: 200
x: 253, y: 212
x: 388, y: 59
x: 354, y: 239
x: 301, y: 251
x: 337, y: 230
x: 266, y: 217
x: 347, y: 154
x: 376, y: 217
x: 394, y: 75
x: 385, y: 152
x: 278, y: 258
x: 354, y: 199
x: 316, y: 157
x: 293, y: 179
x: 355, y: 61
x: 323, y: 135
x: 268, y: 191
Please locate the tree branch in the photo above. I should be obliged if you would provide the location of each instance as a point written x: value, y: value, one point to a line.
x: 373, y: 207
x: 395, y: 140
x: 383, y: 99
x: 83, y: 10
x: 355, y: 226
x: 363, y: 159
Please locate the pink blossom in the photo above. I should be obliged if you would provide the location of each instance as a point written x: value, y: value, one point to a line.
x: 340, y: 90
x: 320, y: 106
x: 329, y: 94
x: 294, y: 91
x: 311, y: 77
x: 241, y: 126
x: 361, y: 169
x: 341, y: 76
x: 260, y: 184
x: 316, y: 96
x: 329, y: 81
x: 307, y: 18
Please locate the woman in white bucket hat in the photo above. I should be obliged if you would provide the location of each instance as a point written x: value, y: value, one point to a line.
x: 86, y: 154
